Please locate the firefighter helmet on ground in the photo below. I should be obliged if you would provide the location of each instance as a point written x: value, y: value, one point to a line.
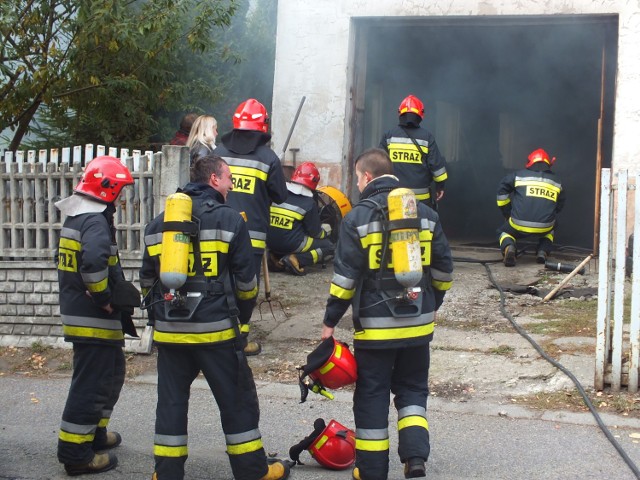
x: 251, y: 115
x: 539, y: 155
x: 411, y: 104
x: 104, y: 178
x: 335, y: 447
x: 306, y: 174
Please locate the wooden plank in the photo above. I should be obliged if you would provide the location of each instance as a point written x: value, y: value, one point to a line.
x: 619, y: 281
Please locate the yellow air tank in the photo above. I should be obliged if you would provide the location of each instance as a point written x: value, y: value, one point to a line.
x: 404, y: 238
x: 174, y: 261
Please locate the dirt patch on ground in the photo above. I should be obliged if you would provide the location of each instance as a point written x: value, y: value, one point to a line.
x: 477, y: 353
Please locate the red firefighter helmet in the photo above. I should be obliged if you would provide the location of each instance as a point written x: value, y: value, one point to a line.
x: 251, y: 115
x: 335, y: 447
x: 411, y: 104
x: 306, y: 174
x: 539, y: 155
x: 104, y: 178
x: 340, y: 367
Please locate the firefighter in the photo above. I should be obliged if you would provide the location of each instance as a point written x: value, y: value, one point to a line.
x: 258, y: 178
x: 200, y: 332
x: 529, y: 200
x: 393, y: 322
x: 296, y: 237
x: 88, y: 268
x: 417, y: 161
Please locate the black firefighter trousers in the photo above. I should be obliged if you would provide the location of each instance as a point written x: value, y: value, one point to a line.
x: 405, y: 373
x: 231, y: 381
x: 98, y: 376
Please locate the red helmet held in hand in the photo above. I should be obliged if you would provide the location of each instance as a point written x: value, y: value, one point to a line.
x: 251, y: 115
x: 306, y: 174
x: 104, y: 178
x: 539, y: 155
x: 411, y: 104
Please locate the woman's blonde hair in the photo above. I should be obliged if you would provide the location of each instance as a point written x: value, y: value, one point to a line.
x: 203, y: 131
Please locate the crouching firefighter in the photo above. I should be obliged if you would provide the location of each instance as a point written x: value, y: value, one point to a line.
x: 393, y: 265
x: 200, y: 286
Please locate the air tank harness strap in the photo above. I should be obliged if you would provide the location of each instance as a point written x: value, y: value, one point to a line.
x: 355, y: 305
x: 188, y: 228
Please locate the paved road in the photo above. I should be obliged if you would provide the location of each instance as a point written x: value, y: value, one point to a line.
x: 469, y: 440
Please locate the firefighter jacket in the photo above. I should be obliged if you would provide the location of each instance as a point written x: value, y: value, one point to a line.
x: 530, y: 198
x: 258, y: 179
x: 415, y: 170
x: 295, y: 222
x: 225, y: 254
x: 357, y: 262
x: 88, y: 268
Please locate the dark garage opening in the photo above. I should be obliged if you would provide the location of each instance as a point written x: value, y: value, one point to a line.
x: 495, y: 88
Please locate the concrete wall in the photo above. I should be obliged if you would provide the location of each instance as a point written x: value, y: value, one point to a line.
x: 312, y: 60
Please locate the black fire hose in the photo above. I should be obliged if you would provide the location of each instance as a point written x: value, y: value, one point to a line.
x: 555, y: 363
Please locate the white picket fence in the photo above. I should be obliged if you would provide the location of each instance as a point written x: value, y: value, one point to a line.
x: 32, y: 181
x: 618, y: 327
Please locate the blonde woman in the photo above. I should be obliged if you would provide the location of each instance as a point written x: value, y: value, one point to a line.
x: 202, y: 138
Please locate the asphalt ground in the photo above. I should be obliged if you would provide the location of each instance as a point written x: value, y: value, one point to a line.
x: 469, y: 440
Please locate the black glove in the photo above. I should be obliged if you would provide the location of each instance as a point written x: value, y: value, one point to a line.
x: 125, y: 297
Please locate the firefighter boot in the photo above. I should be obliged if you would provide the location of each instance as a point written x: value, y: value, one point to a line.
x: 278, y: 470
x: 414, y: 468
x: 252, y: 348
x: 292, y: 265
x: 113, y: 440
x: 509, y: 256
x: 541, y: 256
x: 101, y: 462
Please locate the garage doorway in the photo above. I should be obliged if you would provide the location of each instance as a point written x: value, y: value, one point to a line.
x: 495, y: 89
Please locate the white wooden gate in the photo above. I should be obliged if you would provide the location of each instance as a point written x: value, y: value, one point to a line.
x: 617, y: 341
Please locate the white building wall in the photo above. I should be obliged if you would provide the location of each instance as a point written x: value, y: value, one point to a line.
x: 312, y: 55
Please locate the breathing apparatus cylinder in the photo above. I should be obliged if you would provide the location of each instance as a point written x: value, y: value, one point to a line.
x: 174, y: 261
x: 405, y: 237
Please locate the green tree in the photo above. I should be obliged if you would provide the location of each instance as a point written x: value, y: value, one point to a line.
x: 99, y: 71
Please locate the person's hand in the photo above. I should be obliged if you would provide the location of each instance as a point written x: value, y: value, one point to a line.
x: 439, y: 195
x: 107, y: 308
x: 326, y: 332
x: 326, y: 227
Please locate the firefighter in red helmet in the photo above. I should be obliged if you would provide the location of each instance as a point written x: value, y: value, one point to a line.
x: 296, y: 237
x: 258, y: 179
x: 88, y: 270
x: 530, y: 200
x: 417, y: 161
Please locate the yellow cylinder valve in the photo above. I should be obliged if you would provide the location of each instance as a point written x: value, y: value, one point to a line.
x: 404, y: 237
x: 174, y: 261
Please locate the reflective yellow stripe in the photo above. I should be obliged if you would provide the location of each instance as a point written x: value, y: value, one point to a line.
x: 247, y: 447
x: 342, y: 293
x: 70, y: 244
x: 103, y: 422
x: 394, y: 333
x: 113, y: 260
x: 75, y: 437
x: 255, y: 243
x: 174, y: 452
x: 154, y: 250
x: 423, y: 196
x: 372, y: 445
x: 244, y: 328
x: 502, y: 203
x: 321, y: 442
x: 210, y: 337
x: 247, y: 295
x: 70, y: 331
x: 441, y: 285
x: 520, y: 228
x: 100, y: 286
x: 441, y: 178
x: 248, y: 171
x: 212, y: 246
x: 413, y: 421
x: 371, y: 239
